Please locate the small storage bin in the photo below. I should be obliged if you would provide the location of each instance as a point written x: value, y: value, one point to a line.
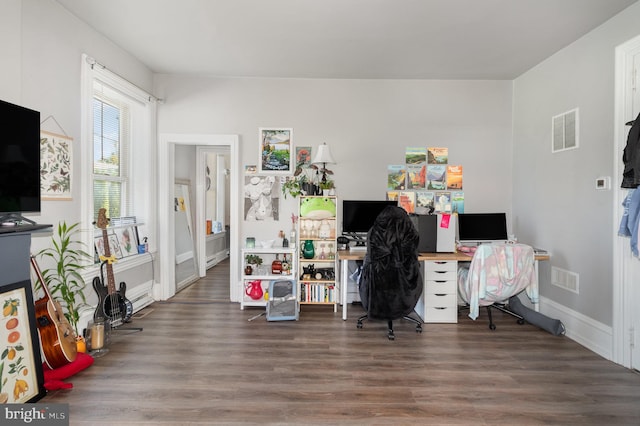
x: 283, y: 301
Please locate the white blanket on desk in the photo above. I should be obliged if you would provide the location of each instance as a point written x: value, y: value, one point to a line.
x: 497, y: 272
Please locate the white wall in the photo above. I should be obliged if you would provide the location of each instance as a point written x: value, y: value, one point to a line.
x: 367, y: 123
x: 10, y: 51
x: 556, y: 205
x: 41, y: 46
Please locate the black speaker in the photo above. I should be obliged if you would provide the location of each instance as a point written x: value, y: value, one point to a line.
x: 427, y: 229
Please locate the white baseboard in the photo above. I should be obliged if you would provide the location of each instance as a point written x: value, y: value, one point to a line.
x: 216, y: 258
x: 586, y: 331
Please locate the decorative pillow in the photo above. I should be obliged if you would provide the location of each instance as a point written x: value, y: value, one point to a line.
x: 53, y: 379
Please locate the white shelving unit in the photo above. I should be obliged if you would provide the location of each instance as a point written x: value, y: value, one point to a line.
x: 264, y: 272
x: 320, y: 287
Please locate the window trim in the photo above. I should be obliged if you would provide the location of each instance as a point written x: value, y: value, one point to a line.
x: 145, y: 171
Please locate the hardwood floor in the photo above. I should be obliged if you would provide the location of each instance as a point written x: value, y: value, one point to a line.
x: 200, y: 361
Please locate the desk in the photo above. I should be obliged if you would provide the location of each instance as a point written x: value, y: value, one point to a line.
x: 344, y: 256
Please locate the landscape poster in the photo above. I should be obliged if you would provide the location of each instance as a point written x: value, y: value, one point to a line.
x: 437, y: 155
x: 396, y: 176
x: 454, y: 177
x: 437, y: 177
x: 416, y: 176
x: 416, y: 155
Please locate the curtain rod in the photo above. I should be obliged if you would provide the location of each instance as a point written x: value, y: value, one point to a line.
x: 92, y: 62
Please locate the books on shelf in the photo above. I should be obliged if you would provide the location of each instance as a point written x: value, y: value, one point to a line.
x: 317, y: 292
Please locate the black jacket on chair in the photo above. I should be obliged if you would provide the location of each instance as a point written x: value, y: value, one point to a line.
x: 391, y: 282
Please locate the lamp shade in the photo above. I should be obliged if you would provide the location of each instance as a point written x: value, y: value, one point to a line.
x: 323, y: 155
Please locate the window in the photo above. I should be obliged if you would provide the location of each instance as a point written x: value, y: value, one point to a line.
x: 118, y: 166
x: 110, y: 165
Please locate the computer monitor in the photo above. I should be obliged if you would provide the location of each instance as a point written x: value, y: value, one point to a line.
x: 358, y: 215
x: 482, y: 227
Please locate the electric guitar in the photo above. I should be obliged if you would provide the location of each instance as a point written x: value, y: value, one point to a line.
x: 112, y: 304
x: 57, y: 337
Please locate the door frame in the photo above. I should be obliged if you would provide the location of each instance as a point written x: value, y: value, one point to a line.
x: 623, y: 292
x: 166, y: 178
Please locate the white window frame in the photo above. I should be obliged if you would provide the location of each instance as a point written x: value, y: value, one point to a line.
x: 141, y: 156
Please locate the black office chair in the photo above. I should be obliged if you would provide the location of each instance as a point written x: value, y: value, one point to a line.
x: 390, y: 283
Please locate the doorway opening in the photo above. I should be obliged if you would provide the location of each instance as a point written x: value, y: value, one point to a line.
x: 166, y: 156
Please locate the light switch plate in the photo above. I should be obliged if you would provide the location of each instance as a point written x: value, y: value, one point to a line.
x: 603, y: 182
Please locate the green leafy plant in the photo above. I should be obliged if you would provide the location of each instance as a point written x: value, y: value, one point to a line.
x: 327, y: 185
x: 64, y: 281
x: 293, y: 185
x: 253, y: 259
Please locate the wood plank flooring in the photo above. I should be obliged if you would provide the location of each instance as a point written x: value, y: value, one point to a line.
x: 200, y: 361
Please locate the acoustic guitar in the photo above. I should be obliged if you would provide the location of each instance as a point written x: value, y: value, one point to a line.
x: 113, y: 304
x: 57, y: 338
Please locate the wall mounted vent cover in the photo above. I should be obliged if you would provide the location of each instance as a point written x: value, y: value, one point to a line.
x: 565, y: 279
x: 564, y: 128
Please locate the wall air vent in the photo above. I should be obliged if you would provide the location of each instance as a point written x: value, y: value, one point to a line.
x: 565, y: 279
x: 564, y: 128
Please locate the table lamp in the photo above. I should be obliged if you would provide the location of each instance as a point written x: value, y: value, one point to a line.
x: 323, y: 156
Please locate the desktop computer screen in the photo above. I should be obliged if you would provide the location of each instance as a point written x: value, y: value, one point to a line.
x: 358, y: 215
x: 482, y: 227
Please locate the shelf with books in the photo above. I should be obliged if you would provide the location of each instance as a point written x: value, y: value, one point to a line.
x: 317, y: 245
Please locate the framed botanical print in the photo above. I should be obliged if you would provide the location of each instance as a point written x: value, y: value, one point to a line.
x: 128, y: 240
x: 276, y: 151
x: 55, y: 166
x: 21, y: 375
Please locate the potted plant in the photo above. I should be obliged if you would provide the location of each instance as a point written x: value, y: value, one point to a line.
x: 326, y: 186
x: 293, y: 185
x: 252, y: 261
x: 64, y: 280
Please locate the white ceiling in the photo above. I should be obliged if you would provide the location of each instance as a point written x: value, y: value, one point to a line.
x: 397, y: 39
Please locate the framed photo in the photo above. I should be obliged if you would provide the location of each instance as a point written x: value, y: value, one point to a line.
x: 303, y: 156
x: 21, y: 376
x: 114, y: 245
x: 55, y: 166
x: 128, y: 239
x: 276, y: 151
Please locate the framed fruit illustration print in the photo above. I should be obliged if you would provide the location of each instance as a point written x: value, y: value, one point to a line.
x: 21, y: 376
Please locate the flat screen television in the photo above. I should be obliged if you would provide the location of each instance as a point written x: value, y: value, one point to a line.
x: 19, y: 162
x: 482, y: 227
x: 358, y: 215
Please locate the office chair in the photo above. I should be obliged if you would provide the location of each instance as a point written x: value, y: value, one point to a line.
x: 390, y: 283
x: 497, y: 272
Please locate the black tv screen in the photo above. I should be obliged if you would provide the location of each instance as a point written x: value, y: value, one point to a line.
x: 19, y: 159
x: 358, y: 215
x: 482, y: 227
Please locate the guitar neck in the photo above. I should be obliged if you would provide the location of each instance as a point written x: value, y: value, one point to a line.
x: 36, y: 268
x: 111, y: 282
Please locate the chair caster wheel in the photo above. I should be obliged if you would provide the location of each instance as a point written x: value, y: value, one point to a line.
x: 492, y: 326
x: 391, y: 336
x: 418, y: 329
x: 520, y: 321
x: 359, y: 324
